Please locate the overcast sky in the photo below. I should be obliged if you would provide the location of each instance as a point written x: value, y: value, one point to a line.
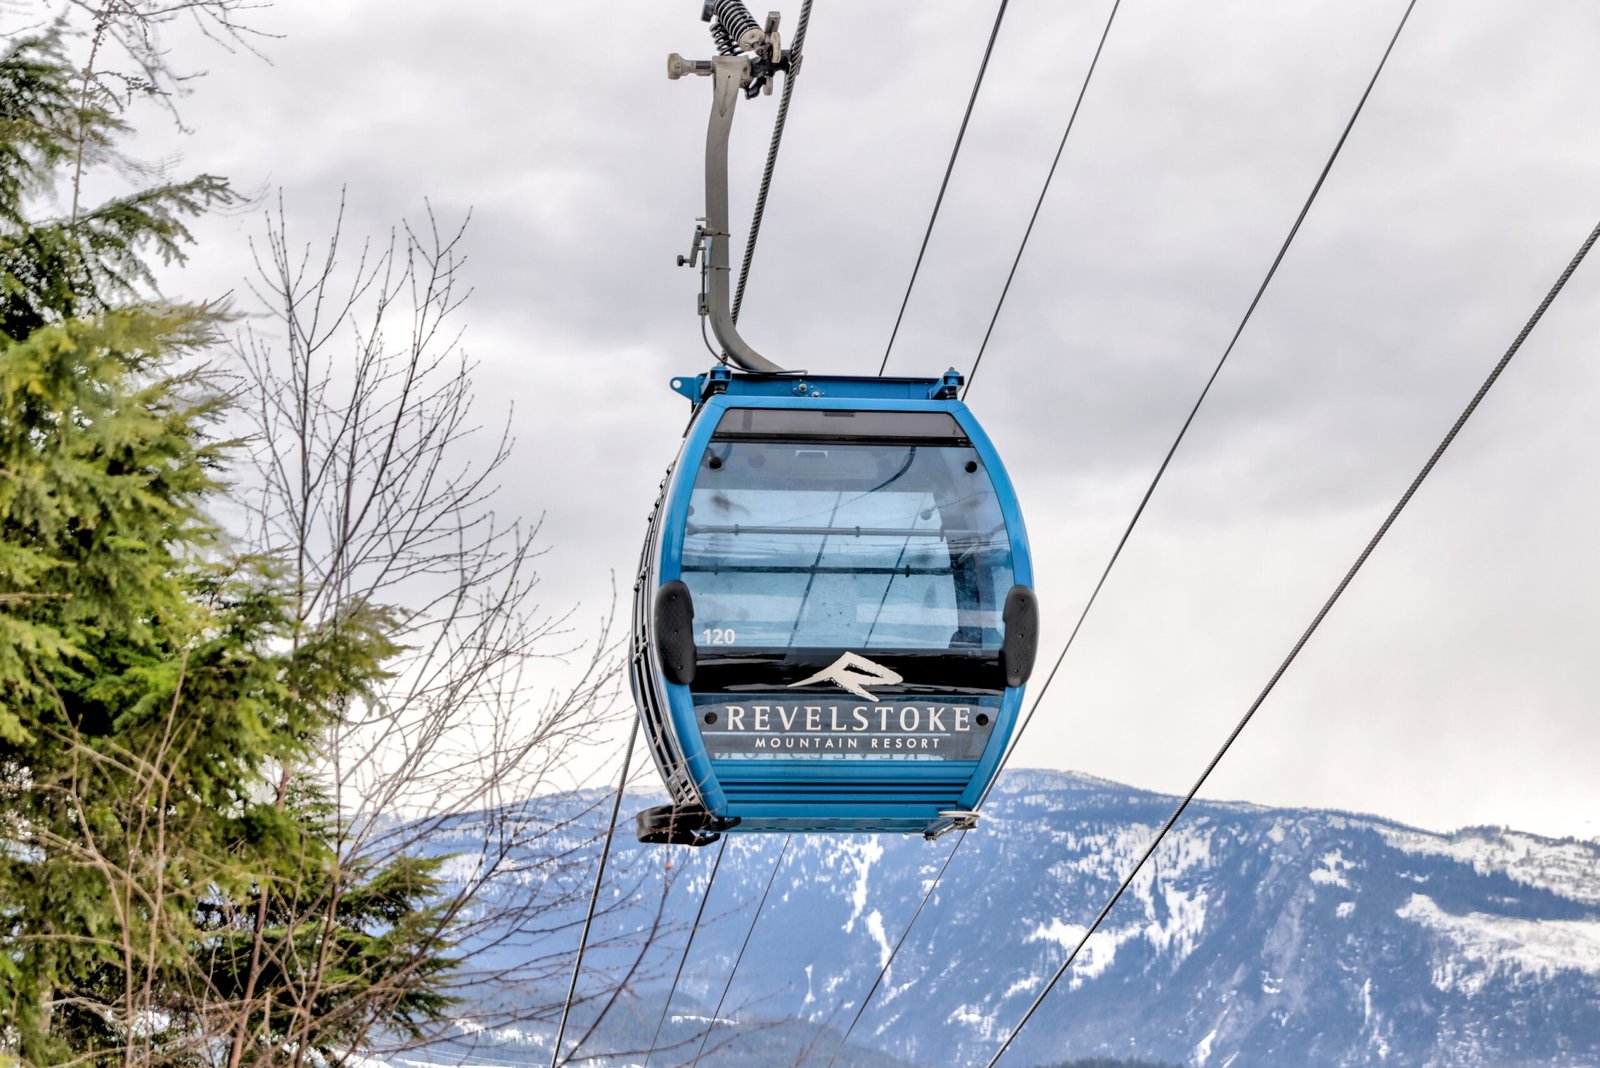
x: 1455, y: 683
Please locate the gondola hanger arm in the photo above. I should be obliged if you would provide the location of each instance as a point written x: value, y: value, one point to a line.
x: 731, y: 75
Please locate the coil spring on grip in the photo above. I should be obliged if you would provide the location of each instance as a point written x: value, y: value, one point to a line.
x: 724, y: 43
x: 735, y: 21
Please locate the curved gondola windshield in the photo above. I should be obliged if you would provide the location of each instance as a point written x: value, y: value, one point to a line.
x: 854, y: 530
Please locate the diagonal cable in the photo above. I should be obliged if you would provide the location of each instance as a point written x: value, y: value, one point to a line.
x: 883, y: 971
x: 1322, y: 613
x: 1071, y: 120
x: 1205, y: 391
x: 1167, y: 460
x: 795, y: 57
x: 717, y: 1012
x: 594, y: 897
x: 961, y: 133
x: 722, y: 847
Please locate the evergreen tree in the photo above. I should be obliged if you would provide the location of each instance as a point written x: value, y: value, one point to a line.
x: 159, y: 851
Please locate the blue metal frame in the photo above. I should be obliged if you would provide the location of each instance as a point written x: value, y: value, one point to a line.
x: 713, y: 394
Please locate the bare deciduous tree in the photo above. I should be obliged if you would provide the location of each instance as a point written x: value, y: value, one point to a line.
x: 377, y: 490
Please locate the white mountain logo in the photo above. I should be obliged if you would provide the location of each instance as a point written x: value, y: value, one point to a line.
x: 849, y: 672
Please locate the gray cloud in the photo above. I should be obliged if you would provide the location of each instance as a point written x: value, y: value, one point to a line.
x: 1455, y: 683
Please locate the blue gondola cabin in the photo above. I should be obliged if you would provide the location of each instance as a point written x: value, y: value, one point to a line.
x: 834, y: 617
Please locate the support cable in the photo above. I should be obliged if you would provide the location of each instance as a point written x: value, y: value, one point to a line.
x: 1322, y: 613
x: 1183, y: 431
x: 795, y: 57
x: 961, y: 134
x: 722, y: 847
x: 717, y: 1012
x: 865, y: 1001
x: 1205, y: 391
x: 1072, y: 119
x: 594, y: 896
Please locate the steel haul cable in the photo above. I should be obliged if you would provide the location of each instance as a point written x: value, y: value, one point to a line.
x: 762, y: 904
x: 594, y: 896
x: 1322, y: 613
x: 694, y: 928
x: 950, y: 167
x: 867, y: 999
x: 1167, y: 459
x: 1071, y: 120
x: 1205, y: 391
x: 795, y: 59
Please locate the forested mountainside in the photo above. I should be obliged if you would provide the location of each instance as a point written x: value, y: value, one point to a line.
x: 1259, y: 936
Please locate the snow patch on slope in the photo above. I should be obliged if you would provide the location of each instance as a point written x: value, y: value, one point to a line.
x: 1483, y: 946
x: 1186, y: 922
x: 1569, y: 868
x: 973, y: 1017
x: 1026, y: 985
x: 861, y: 854
x: 1202, y: 1051
x: 1099, y: 952
x: 1332, y: 869
x: 879, y: 935
x: 1183, y: 851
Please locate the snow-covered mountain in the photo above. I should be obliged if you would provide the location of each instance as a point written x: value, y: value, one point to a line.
x: 1258, y: 937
